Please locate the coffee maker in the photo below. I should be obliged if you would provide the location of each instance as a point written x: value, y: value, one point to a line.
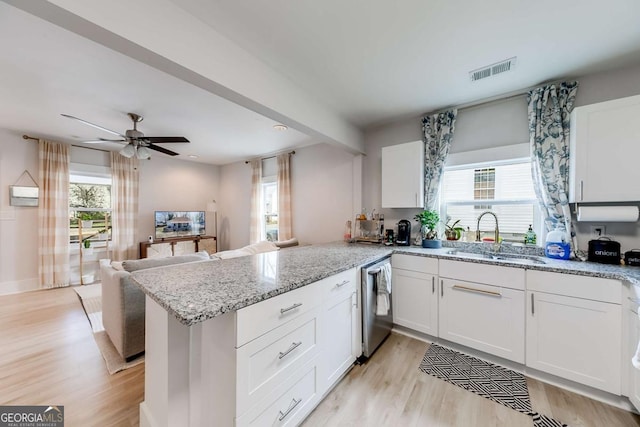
x: 404, y: 233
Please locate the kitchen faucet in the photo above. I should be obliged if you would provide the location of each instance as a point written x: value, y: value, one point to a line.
x: 496, y: 241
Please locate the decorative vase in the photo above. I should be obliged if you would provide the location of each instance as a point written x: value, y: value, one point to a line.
x: 431, y: 243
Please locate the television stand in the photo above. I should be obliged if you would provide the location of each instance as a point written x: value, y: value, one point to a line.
x: 174, y: 246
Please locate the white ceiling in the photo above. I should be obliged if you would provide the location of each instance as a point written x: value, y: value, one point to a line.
x: 370, y: 62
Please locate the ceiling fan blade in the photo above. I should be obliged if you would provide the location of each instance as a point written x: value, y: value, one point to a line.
x: 99, y: 140
x: 93, y: 125
x: 165, y: 139
x: 161, y: 149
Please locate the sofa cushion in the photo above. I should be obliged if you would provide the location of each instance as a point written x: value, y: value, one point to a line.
x: 286, y: 243
x: 263, y: 246
x: 236, y: 253
x: 141, y: 264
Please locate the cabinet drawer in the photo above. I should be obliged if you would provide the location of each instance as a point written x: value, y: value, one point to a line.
x: 296, y: 398
x: 342, y: 282
x: 593, y: 288
x: 258, y: 319
x: 268, y: 360
x: 415, y: 263
x: 507, y: 277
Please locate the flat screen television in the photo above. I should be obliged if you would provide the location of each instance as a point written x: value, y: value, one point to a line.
x: 179, y: 224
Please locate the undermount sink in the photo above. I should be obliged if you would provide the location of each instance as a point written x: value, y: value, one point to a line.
x: 523, y: 259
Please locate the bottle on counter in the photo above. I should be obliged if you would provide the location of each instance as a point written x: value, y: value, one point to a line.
x: 557, y: 246
x: 347, y: 231
x: 530, y: 236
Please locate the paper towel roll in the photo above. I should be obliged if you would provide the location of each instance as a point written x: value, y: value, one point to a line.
x: 608, y: 213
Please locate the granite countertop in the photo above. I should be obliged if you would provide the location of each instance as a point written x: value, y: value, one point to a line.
x: 199, y: 291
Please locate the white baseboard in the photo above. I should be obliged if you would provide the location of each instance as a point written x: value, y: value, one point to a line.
x: 146, y: 419
x: 19, y: 286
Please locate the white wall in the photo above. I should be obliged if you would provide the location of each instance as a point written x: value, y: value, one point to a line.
x: 493, y: 125
x: 18, y: 225
x: 322, y: 178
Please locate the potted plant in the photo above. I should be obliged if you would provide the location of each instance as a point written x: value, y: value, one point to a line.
x: 428, y: 220
x: 451, y: 231
x: 86, y: 219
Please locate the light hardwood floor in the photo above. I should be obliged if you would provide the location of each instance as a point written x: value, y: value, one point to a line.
x: 390, y: 390
x: 48, y: 356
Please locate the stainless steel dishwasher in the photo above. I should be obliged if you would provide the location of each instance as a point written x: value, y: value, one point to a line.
x: 375, y: 328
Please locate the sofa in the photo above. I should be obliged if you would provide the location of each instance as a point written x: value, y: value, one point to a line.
x: 123, y: 303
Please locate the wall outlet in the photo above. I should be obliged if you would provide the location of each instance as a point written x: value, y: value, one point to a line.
x: 597, y: 231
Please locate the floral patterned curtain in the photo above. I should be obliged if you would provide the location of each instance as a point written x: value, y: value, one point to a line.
x: 438, y: 134
x: 549, y: 117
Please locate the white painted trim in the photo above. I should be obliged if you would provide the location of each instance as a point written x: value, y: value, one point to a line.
x: 19, y: 286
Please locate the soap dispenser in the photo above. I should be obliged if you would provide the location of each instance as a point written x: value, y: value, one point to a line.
x: 530, y: 236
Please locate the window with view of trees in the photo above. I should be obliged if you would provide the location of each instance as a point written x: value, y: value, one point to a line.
x: 89, y: 203
x: 270, y: 211
x: 504, y: 189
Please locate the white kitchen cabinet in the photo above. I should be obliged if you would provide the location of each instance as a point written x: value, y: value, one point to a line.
x: 415, y: 297
x: 576, y: 338
x: 605, y: 146
x: 487, y: 318
x: 403, y: 175
x: 341, y: 337
x: 634, y: 374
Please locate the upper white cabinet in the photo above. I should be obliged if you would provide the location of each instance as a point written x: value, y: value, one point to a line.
x: 403, y: 175
x: 605, y: 146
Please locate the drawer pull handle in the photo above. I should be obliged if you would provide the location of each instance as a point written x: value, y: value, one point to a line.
x: 479, y: 291
x: 291, y: 407
x: 339, y: 285
x: 293, y: 346
x: 433, y: 285
x: 293, y: 307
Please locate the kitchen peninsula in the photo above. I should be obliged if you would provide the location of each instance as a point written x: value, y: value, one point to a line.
x: 263, y: 338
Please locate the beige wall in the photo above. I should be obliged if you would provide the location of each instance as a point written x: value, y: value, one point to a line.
x: 322, y: 196
x: 493, y: 125
x: 165, y: 183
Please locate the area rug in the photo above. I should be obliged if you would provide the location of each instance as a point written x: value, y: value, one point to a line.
x: 493, y: 382
x: 91, y: 299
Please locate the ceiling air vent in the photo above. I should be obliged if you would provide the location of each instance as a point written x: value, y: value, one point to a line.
x: 493, y: 69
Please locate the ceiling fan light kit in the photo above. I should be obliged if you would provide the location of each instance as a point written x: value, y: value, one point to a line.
x: 137, y: 144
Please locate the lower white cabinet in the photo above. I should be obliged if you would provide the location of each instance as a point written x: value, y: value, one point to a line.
x: 575, y: 338
x: 415, y: 300
x: 634, y: 377
x: 340, y: 334
x: 487, y: 318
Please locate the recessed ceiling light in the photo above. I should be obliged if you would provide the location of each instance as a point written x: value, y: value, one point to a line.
x: 193, y: 156
x: 280, y: 127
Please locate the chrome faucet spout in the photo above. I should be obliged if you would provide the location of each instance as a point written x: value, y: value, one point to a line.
x: 496, y: 241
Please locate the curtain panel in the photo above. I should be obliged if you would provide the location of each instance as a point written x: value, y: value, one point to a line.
x: 124, y: 196
x: 256, y: 208
x: 437, y: 132
x: 284, y: 197
x: 549, y: 110
x: 53, y: 214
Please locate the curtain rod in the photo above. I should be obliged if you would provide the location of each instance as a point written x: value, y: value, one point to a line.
x: 27, y: 137
x: 498, y: 98
x: 246, y: 162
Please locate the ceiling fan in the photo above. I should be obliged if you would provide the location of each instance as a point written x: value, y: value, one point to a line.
x: 136, y: 143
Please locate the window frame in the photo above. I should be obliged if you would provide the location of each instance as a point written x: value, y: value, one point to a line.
x: 100, y: 175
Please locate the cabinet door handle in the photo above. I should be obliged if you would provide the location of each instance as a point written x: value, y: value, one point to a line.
x: 291, y: 407
x: 441, y: 288
x: 416, y: 200
x: 293, y: 307
x: 433, y: 285
x: 478, y: 291
x: 292, y: 347
x: 532, y: 305
x: 581, y: 190
x: 339, y: 285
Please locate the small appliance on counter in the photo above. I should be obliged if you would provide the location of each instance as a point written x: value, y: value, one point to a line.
x: 404, y: 233
x: 604, y: 251
x: 632, y: 257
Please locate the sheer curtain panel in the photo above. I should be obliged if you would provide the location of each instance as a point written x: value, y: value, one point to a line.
x: 124, y: 196
x: 284, y: 197
x: 53, y: 214
x: 437, y: 135
x: 256, y: 207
